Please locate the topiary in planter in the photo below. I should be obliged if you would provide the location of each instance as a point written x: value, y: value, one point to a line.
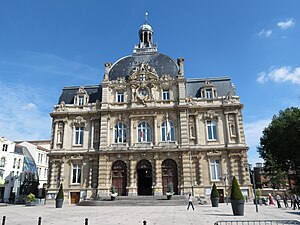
x: 214, y: 196
x: 237, y: 198
x: 170, y: 190
x: 59, y: 197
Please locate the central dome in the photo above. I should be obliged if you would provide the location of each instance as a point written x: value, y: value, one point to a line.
x: 163, y: 64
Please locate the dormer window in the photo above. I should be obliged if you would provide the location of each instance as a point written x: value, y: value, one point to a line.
x: 166, y: 95
x: 120, y: 97
x: 208, y: 93
x: 81, y: 98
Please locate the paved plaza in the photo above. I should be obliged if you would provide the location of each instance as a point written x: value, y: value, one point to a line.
x: 134, y: 215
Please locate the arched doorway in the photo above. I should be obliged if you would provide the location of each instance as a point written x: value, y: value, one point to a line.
x: 144, y: 177
x: 169, y: 174
x: 119, y: 177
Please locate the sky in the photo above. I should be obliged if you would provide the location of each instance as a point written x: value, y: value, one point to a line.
x: 47, y: 45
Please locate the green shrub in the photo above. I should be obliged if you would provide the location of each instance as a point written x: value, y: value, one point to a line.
x: 236, y: 193
x: 112, y: 189
x: 170, y: 187
x: 214, y: 192
x: 60, y: 194
x: 30, y: 198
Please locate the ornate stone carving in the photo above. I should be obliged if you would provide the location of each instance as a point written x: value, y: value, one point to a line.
x: 210, y: 114
x: 61, y: 107
x: 79, y: 121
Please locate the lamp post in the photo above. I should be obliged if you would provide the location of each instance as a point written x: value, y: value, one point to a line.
x: 224, y: 178
x: 254, y: 186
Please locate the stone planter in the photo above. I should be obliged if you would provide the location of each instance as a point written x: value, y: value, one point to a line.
x: 59, y: 203
x: 113, y: 196
x: 215, y: 202
x: 237, y: 207
x: 169, y: 197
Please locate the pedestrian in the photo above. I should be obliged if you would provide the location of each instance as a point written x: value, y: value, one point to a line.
x: 190, y: 202
x: 285, y: 199
x: 295, y: 203
x: 278, y: 200
x: 271, y: 199
x: 292, y: 199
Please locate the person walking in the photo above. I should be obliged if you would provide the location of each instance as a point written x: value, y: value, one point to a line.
x: 285, y: 199
x: 278, y: 200
x: 295, y: 203
x: 271, y: 199
x: 190, y: 200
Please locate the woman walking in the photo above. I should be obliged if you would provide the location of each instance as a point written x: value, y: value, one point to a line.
x: 190, y: 202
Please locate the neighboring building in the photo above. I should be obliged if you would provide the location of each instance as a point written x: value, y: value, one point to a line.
x: 40, y: 157
x: 145, y: 126
x: 11, y: 166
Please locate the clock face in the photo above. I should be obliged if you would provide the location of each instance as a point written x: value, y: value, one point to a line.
x: 143, y: 92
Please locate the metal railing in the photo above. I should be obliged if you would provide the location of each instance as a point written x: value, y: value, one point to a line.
x: 256, y: 222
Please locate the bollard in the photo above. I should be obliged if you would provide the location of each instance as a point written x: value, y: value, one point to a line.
x: 86, y: 221
x: 3, y: 220
x: 144, y: 222
x: 40, y: 221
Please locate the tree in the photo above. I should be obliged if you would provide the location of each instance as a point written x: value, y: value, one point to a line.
x: 280, y: 144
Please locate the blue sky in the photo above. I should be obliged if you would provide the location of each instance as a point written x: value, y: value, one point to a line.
x: 46, y: 45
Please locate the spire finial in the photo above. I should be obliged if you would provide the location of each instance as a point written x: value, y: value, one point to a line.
x: 146, y: 17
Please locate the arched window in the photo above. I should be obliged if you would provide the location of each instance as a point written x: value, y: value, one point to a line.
x: 143, y: 132
x: 120, y: 133
x: 167, y: 131
x: 3, y: 162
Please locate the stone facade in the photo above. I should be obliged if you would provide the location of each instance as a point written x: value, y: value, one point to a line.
x: 146, y: 126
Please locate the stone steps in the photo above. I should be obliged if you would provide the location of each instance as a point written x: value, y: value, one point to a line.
x: 136, y: 201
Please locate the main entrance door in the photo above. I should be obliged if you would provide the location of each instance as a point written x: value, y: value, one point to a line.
x: 144, y: 176
x: 119, y: 177
x: 169, y: 175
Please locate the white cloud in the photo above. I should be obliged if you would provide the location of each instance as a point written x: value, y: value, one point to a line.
x: 253, y: 132
x: 265, y: 33
x: 29, y: 106
x: 286, y: 24
x: 20, y: 120
x: 282, y: 74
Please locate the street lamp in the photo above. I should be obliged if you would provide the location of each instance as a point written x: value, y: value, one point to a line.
x: 224, y: 178
x: 254, y: 186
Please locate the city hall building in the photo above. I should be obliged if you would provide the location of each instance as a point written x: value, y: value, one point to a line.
x: 146, y: 125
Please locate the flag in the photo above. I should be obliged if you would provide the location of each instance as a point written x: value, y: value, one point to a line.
x: 141, y: 135
x: 168, y: 129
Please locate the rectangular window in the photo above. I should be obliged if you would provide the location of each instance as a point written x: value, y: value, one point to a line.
x: 211, y: 130
x: 166, y: 95
x: 208, y: 93
x: 76, y: 174
x: 45, y: 173
x: 79, y: 135
x: 120, y: 96
x: 215, y: 169
x: 80, y: 100
x: 4, y: 148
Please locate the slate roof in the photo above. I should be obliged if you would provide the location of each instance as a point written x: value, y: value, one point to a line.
x: 163, y: 64
x: 222, y: 84
x: 68, y: 93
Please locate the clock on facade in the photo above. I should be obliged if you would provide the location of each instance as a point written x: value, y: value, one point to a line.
x: 143, y: 92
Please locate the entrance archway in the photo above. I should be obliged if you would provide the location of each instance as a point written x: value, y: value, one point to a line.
x: 169, y: 174
x: 144, y: 177
x: 119, y: 177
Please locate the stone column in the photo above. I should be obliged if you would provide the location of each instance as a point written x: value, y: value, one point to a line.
x: 197, y: 129
x: 186, y: 168
x: 90, y: 173
x: 227, y: 136
x: 132, y: 189
x: 155, y: 130
x: 52, y: 176
x: 158, y: 177
x: 131, y: 132
x: 200, y: 171
x: 92, y: 134
x: 104, y: 176
x: 237, y: 127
